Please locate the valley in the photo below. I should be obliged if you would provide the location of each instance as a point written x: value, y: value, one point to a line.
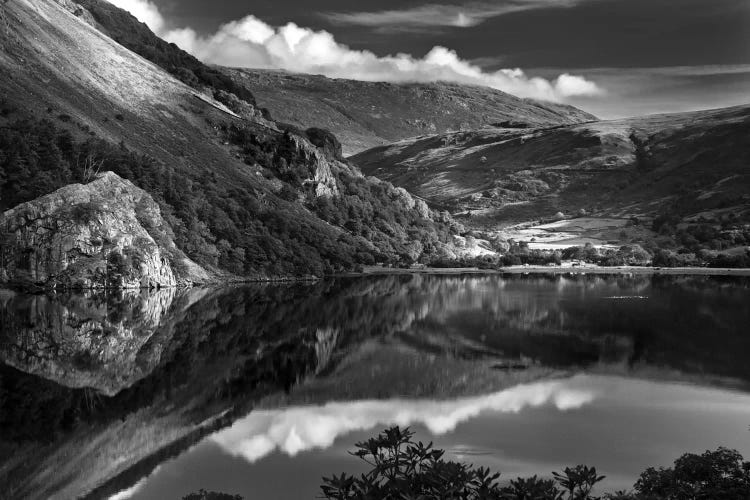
x: 608, y: 183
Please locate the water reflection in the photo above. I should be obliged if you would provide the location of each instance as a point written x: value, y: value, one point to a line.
x: 147, y: 375
x: 104, y: 342
x: 629, y: 424
x: 303, y: 428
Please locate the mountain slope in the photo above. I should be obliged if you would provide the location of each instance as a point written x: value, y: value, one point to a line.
x: 242, y: 194
x: 367, y: 114
x: 677, y: 185
x: 691, y: 162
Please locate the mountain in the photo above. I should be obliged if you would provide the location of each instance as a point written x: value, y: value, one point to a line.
x: 242, y: 194
x: 680, y: 176
x: 367, y: 114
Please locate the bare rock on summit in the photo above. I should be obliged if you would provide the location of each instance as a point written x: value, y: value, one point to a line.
x: 105, y: 234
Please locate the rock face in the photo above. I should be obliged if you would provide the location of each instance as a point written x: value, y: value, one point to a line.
x: 322, y: 182
x: 105, y: 234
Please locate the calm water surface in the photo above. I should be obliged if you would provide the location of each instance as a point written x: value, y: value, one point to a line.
x: 261, y: 390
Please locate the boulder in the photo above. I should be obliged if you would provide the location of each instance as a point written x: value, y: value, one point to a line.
x: 104, y: 234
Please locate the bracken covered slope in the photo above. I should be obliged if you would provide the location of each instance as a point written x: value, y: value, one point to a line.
x: 367, y: 114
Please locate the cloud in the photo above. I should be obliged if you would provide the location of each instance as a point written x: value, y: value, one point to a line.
x: 297, y: 429
x: 128, y: 493
x: 251, y: 43
x: 440, y: 15
x: 570, y: 85
x: 672, y: 89
x: 143, y: 10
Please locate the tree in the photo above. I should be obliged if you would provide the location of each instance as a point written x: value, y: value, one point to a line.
x: 713, y: 475
x: 404, y: 469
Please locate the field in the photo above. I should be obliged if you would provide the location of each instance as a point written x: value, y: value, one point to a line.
x: 602, y: 233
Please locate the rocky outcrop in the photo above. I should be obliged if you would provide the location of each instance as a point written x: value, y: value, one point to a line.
x: 105, y: 234
x: 322, y: 183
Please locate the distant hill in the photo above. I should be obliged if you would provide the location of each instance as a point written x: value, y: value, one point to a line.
x: 686, y: 177
x: 692, y: 161
x: 367, y: 114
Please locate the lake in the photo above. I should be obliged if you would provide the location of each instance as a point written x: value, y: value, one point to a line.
x: 260, y: 390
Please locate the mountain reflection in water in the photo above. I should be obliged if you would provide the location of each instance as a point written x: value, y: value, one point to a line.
x: 96, y: 391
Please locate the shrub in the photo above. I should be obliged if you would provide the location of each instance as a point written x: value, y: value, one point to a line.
x: 402, y: 468
x: 715, y: 475
x: 665, y: 258
x: 665, y: 223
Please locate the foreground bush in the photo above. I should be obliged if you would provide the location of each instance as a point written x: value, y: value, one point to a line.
x: 715, y: 475
x: 404, y: 469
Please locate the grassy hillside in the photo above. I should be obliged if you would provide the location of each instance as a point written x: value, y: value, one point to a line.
x: 242, y: 194
x: 128, y: 32
x: 674, y: 181
x: 368, y: 114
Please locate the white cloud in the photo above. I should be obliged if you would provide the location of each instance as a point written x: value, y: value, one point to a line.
x: 440, y: 15
x: 570, y: 86
x: 143, y: 10
x: 128, y: 493
x: 297, y: 429
x: 251, y: 43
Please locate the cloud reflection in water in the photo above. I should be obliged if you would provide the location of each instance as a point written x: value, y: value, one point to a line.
x: 296, y: 429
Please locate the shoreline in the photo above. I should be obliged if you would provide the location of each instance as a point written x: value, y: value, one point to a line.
x: 624, y: 270
x: 396, y: 271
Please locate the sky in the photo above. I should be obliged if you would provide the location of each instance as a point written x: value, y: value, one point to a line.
x: 614, y: 58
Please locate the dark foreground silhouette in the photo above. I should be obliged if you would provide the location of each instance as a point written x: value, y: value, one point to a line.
x: 404, y: 469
